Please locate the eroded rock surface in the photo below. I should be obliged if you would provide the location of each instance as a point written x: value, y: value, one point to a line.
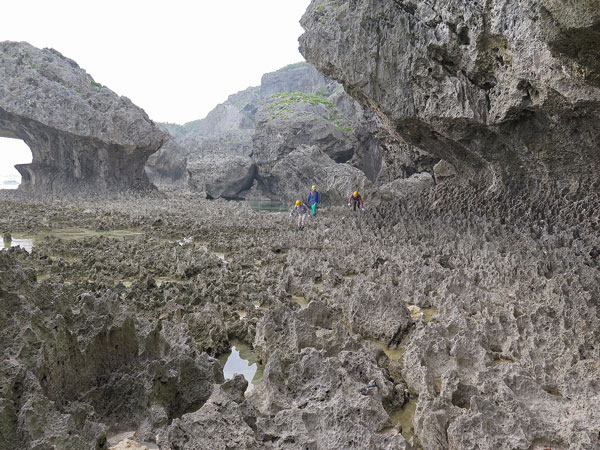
x: 506, y: 92
x: 431, y: 321
x: 83, y: 137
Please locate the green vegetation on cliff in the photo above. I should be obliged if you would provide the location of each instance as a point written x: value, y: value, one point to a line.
x: 301, y: 97
x: 281, y: 108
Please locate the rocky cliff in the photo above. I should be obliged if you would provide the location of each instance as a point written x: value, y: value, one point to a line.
x: 297, y: 129
x: 83, y: 137
x: 507, y: 92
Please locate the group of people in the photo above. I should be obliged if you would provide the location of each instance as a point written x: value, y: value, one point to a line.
x: 313, y: 200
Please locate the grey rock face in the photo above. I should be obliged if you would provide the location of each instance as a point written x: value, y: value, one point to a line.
x: 221, y: 165
x: 300, y: 77
x: 321, y: 407
x: 83, y: 137
x: 376, y: 313
x: 168, y: 166
x: 503, y: 91
x: 310, y: 395
x: 294, y: 107
x: 291, y: 177
x: 225, y: 421
x: 502, y: 348
x: 82, y: 362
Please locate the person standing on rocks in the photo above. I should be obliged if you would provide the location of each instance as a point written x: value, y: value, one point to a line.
x: 302, y: 210
x: 313, y: 200
x: 355, y: 200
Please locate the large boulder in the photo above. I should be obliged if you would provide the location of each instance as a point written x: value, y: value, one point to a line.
x: 504, y: 91
x: 292, y: 175
x: 221, y: 165
x: 304, y: 139
x: 83, y: 136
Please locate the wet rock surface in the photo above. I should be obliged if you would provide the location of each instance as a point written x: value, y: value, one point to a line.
x: 83, y: 137
x: 476, y: 314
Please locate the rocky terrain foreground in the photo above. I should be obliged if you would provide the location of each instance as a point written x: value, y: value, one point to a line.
x: 83, y: 137
x: 476, y: 319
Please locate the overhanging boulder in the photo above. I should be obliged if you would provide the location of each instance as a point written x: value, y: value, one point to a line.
x: 507, y: 92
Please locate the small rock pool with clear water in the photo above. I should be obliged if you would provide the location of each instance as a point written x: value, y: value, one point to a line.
x: 242, y: 359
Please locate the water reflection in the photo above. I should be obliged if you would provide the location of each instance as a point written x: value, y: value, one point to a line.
x: 27, y: 241
x: 268, y: 205
x: 26, y: 244
x: 242, y: 360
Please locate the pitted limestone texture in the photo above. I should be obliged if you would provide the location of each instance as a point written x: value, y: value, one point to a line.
x: 506, y: 92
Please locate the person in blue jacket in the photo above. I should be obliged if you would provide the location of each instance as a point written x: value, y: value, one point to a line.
x: 313, y: 200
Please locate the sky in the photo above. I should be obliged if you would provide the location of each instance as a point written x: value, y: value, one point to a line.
x: 175, y: 59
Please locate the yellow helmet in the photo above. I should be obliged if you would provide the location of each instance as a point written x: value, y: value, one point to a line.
x: 298, y: 202
x: 355, y: 194
x: 313, y: 187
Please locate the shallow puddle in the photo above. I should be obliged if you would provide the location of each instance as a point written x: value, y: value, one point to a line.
x: 24, y: 243
x: 243, y: 360
x: 395, y: 354
x: 28, y: 241
x: 404, y: 416
x: 268, y: 205
x: 302, y: 301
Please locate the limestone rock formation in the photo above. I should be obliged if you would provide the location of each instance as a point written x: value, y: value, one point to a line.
x: 221, y: 164
x: 310, y: 395
x: 225, y: 421
x: 212, y: 155
x: 304, y: 139
x: 83, y: 137
x: 506, y: 92
x: 100, y: 335
x: 81, y: 362
x: 291, y: 176
x: 241, y: 142
x: 168, y: 166
x: 300, y: 77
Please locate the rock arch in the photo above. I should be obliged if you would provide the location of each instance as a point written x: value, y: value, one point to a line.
x: 12, y: 153
x: 83, y: 137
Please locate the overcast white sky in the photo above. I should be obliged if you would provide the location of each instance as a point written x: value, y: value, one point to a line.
x: 176, y: 59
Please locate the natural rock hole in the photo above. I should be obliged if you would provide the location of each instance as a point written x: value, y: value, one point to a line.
x: 12, y: 152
